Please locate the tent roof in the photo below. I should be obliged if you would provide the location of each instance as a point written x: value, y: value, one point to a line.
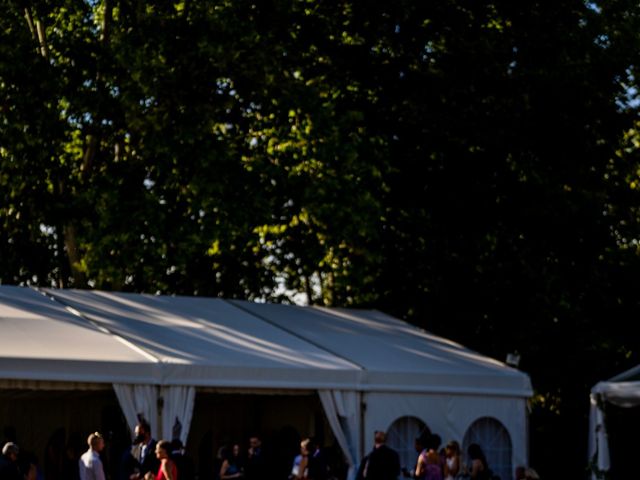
x: 41, y: 340
x: 394, y: 354
x: 81, y: 335
x: 623, y: 389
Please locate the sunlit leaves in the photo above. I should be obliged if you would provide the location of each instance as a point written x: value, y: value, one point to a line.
x: 459, y: 164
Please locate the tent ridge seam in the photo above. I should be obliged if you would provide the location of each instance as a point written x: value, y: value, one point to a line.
x: 291, y: 332
x: 126, y: 342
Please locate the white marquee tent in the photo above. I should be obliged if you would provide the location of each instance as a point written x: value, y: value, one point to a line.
x: 368, y: 368
x: 623, y: 390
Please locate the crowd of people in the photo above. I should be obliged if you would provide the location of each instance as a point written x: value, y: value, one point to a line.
x: 432, y: 462
x: 148, y: 459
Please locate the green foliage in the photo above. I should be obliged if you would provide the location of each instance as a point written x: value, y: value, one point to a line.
x: 472, y: 167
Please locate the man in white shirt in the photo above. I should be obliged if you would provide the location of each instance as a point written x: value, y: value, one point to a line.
x: 90, y: 463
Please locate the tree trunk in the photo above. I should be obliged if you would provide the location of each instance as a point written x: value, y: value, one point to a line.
x: 73, y: 254
x: 308, y: 289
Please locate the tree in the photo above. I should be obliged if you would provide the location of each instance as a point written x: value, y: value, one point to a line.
x: 470, y: 167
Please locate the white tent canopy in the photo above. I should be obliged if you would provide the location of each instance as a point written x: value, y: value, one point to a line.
x: 210, y: 342
x: 175, y: 344
x: 394, y: 355
x: 622, y: 390
x: 41, y: 340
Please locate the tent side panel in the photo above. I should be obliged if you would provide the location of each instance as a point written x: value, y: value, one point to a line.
x: 449, y: 416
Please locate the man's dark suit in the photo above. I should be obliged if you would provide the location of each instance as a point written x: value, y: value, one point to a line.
x: 150, y: 462
x: 383, y: 463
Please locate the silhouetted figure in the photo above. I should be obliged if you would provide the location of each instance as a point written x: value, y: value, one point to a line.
x: 256, y: 464
x: 231, y: 466
x: 382, y: 463
x: 185, y: 464
x: 72, y: 453
x: 143, y: 456
x: 317, y: 468
x: 479, y: 468
x: 9, y: 469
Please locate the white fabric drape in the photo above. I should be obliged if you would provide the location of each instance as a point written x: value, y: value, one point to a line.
x: 138, y: 400
x: 177, y: 411
x: 598, y: 442
x: 342, y: 409
x: 617, y: 392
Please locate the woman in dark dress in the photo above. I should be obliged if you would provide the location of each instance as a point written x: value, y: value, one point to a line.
x: 479, y: 469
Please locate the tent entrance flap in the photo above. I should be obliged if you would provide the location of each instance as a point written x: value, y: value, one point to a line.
x: 614, y: 411
x: 342, y: 409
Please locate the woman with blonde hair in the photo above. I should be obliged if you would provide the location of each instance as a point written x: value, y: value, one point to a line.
x: 453, y: 460
x: 303, y: 466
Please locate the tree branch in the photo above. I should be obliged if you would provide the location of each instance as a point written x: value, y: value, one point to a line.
x: 89, y: 155
x: 42, y: 38
x: 32, y: 27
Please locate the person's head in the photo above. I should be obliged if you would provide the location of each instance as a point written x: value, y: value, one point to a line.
x: 163, y: 449
x: 11, y: 450
x: 419, y: 443
x: 379, y: 437
x: 475, y: 452
x: 434, y: 442
x: 95, y: 442
x: 142, y: 432
x: 223, y: 453
x: 235, y: 450
x: 306, y: 447
x: 254, y: 442
x: 452, y: 449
